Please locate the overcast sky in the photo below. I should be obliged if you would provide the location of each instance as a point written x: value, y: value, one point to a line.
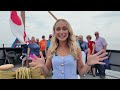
x: 40, y: 23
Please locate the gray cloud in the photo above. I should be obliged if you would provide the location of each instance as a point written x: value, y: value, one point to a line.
x: 109, y: 14
x: 40, y: 23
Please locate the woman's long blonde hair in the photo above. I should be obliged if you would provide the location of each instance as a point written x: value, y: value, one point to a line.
x: 71, y: 41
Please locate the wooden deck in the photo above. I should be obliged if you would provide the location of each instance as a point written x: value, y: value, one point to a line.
x: 110, y: 74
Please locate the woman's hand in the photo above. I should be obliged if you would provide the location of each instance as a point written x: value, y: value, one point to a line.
x: 96, y: 58
x: 37, y: 62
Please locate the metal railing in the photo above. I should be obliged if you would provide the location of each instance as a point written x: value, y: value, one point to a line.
x: 7, y: 45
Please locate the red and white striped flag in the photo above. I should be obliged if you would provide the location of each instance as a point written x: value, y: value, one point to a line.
x: 17, y: 27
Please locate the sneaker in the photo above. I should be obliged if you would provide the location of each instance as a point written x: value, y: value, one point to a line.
x: 21, y: 57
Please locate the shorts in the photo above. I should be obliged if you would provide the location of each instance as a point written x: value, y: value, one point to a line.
x: 83, y: 57
x: 31, y: 56
x: 24, y: 56
x: 93, y: 66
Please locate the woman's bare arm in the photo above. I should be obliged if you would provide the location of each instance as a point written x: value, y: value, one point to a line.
x: 82, y: 69
x: 91, y: 60
x: 40, y: 63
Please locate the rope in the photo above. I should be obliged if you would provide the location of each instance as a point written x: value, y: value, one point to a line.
x: 22, y: 73
x: 29, y: 73
x: 8, y: 74
x: 37, y: 73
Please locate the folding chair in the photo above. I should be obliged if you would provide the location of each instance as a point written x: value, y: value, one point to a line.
x: 10, y: 57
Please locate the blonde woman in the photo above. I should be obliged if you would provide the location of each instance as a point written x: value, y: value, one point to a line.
x: 64, y: 56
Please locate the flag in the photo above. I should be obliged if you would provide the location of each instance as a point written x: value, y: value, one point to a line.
x: 17, y: 27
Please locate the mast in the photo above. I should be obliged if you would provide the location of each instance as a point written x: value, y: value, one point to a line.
x: 23, y: 17
x: 53, y: 15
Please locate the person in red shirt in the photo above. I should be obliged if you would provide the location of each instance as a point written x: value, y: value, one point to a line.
x: 91, y: 46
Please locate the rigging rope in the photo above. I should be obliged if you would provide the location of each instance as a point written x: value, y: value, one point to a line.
x: 22, y: 73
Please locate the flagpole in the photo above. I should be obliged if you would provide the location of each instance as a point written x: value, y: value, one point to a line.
x: 23, y: 17
x: 52, y: 15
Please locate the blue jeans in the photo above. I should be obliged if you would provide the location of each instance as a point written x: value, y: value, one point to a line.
x: 101, y: 69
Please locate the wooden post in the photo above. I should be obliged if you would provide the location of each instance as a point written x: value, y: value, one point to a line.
x: 53, y: 15
x: 3, y: 45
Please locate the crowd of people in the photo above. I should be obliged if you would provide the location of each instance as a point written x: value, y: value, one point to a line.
x: 34, y: 46
x: 95, y: 46
x: 65, y: 54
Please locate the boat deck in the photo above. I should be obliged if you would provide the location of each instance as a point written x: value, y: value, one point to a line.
x: 110, y: 74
